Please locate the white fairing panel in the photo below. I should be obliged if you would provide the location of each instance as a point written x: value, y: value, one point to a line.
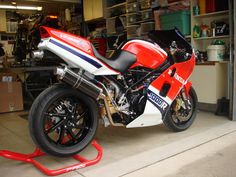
x: 154, y: 111
x: 151, y: 116
x: 75, y: 58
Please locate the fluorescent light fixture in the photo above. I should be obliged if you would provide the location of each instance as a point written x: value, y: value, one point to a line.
x: 21, y: 7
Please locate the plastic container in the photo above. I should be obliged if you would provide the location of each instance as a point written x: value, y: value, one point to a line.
x: 130, y: 1
x: 202, y: 5
x: 133, y: 18
x: 215, y: 52
x: 179, y: 19
x: 133, y: 7
x: 222, y: 5
x: 210, y: 6
x: 145, y: 4
x: 147, y: 15
x: 146, y: 27
x: 132, y: 30
x: 196, y: 10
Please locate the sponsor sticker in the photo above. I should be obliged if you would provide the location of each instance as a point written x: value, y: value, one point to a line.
x: 177, y: 77
x: 161, y: 104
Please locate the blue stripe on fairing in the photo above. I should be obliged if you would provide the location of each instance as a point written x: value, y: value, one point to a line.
x: 157, y: 101
x: 89, y: 60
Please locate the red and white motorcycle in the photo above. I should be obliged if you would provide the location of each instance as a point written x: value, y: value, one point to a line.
x: 144, y: 83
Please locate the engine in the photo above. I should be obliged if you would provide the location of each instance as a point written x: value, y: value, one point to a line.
x: 129, y: 94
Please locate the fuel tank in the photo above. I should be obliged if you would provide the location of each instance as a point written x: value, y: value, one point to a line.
x: 149, y: 55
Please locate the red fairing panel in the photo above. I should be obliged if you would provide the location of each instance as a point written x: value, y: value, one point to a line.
x: 176, y: 79
x: 78, y: 42
x: 148, y: 55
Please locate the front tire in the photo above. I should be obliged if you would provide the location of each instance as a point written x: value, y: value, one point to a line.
x: 177, y: 122
x: 63, y: 121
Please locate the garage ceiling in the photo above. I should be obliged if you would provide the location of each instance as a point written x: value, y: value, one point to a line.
x: 48, y: 5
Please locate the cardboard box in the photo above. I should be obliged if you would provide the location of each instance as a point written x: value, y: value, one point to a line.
x: 8, y: 77
x: 11, y: 98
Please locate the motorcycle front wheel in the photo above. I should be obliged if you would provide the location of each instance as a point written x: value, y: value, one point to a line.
x: 181, y: 119
x: 63, y: 121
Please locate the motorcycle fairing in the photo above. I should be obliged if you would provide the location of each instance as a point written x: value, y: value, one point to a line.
x: 77, y: 42
x: 74, y: 50
x: 157, y: 106
x: 155, y: 109
x: 148, y: 55
x: 75, y: 58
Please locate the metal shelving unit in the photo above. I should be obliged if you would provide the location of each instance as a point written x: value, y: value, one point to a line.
x: 132, y: 18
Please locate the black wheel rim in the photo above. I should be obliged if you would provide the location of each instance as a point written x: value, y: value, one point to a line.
x: 67, y: 121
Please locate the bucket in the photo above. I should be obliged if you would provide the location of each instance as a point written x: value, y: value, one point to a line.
x: 215, y: 52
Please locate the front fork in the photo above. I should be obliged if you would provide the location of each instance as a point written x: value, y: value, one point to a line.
x: 184, y: 93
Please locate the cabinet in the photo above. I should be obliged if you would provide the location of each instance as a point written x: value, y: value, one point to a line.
x: 3, y: 22
x: 210, y: 81
x: 93, y: 9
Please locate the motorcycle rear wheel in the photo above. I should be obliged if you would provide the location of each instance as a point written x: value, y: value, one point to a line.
x: 174, y: 122
x: 63, y: 121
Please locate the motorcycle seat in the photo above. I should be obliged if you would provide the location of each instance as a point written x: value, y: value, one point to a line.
x: 120, y: 61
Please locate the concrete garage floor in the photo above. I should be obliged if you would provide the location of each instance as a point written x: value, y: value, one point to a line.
x: 206, y: 149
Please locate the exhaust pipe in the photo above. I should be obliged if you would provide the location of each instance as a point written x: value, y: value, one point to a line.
x: 80, y: 83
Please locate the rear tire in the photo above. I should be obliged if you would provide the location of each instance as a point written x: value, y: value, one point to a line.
x: 172, y: 123
x: 63, y: 121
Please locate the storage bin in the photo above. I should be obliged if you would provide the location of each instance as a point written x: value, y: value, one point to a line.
x: 171, y: 1
x: 215, y: 52
x: 132, y: 30
x: 222, y: 5
x: 114, y: 2
x: 202, y: 5
x: 117, y: 12
x: 146, y: 27
x: 133, y: 18
x: 146, y: 15
x: 145, y: 4
x: 210, y: 6
x: 179, y: 19
x: 130, y: 1
x: 133, y: 7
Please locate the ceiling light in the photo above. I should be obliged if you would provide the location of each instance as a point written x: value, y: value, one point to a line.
x: 21, y: 7
x: 13, y: 3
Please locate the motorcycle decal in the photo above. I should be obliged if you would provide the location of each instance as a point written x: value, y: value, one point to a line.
x: 161, y: 103
x: 177, y: 77
x: 85, y: 58
x: 156, y: 100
